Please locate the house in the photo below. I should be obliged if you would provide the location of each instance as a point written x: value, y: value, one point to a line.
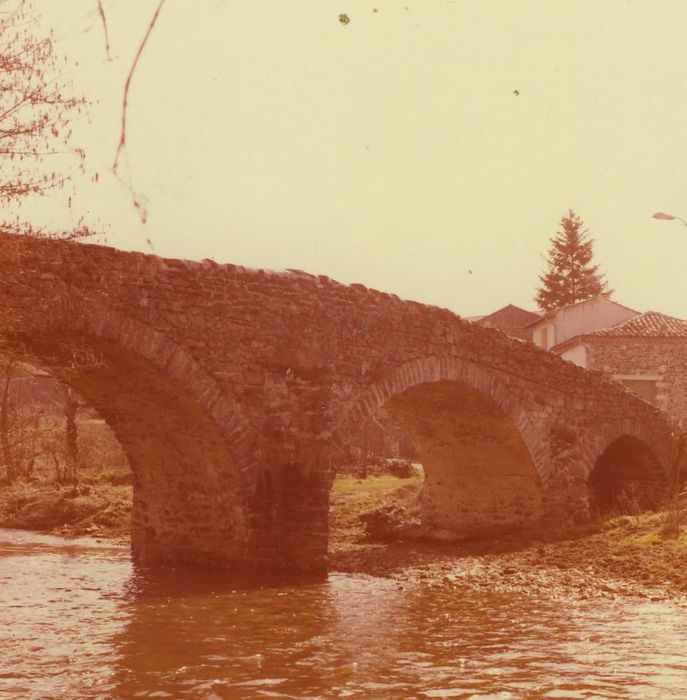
x: 510, y: 319
x: 647, y: 353
x: 559, y: 325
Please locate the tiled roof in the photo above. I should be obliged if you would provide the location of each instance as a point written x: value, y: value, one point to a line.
x: 511, y: 319
x: 651, y: 324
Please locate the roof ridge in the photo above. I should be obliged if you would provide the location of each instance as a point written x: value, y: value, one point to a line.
x: 510, y: 306
x: 644, y: 325
x: 551, y: 312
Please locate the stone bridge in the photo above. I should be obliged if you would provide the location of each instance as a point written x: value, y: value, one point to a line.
x: 236, y: 392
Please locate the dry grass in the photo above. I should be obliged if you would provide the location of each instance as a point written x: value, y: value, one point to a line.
x: 628, y: 547
x: 100, y: 504
x: 350, y: 497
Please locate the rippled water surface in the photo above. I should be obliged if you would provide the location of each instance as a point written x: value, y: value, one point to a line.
x: 77, y: 622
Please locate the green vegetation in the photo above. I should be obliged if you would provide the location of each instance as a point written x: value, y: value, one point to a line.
x: 570, y: 276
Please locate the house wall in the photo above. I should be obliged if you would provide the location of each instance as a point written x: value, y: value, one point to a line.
x: 544, y: 335
x: 663, y: 360
x: 584, y: 317
x: 577, y: 355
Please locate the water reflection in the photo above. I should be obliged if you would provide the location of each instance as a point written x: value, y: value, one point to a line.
x: 281, y: 640
x: 77, y: 622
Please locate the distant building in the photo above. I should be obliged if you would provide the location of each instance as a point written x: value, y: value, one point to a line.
x: 510, y: 319
x: 555, y: 327
x: 647, y: 353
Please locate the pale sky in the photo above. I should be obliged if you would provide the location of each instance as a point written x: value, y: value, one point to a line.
x: 394, y: 150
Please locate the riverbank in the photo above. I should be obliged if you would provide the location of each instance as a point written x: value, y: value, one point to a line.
x: 621, y: 556
x: 98, y: 506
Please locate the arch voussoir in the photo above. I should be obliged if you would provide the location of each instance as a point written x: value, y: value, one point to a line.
x: 476, y: 416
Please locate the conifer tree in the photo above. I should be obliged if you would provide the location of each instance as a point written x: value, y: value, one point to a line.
x: 570, y: 276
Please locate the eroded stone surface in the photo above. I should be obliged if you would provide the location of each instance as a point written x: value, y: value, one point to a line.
x: 236, y: 392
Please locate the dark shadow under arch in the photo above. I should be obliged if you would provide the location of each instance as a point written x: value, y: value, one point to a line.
x: 626, y: 476
x: 479, y: 475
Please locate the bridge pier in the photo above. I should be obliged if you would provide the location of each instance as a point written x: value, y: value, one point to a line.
x: 289, y: 520
x: 281, y: 529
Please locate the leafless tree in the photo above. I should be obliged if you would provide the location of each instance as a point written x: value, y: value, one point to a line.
x: 36, y: 108
x: 26, y: 427
x: 8, y: 456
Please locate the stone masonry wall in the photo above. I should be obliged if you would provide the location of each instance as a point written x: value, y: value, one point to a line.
x: 235, y: 393
x: 665, y: 358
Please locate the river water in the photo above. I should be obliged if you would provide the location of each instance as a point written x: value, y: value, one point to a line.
x: 76, y: 621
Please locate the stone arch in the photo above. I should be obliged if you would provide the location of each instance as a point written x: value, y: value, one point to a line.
x: 627, y: 472
x: 174, y: 361
x: 185, y: 439
x: 656, y: 433
x: 473, y: 437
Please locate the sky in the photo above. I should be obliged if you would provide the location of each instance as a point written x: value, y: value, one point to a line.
x: 427, y: 149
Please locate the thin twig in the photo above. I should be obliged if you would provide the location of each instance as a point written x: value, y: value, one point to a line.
x: 103, y: 19
x: 125, y: 101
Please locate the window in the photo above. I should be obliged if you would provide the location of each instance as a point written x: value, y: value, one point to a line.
x: 644, y: 388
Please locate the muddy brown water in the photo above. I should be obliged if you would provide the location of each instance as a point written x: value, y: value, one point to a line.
x: 77, y: 621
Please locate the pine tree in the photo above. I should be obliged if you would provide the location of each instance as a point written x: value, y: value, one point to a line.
x: 571, y: 277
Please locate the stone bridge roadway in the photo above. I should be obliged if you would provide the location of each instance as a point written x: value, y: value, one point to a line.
x: 235, y: 392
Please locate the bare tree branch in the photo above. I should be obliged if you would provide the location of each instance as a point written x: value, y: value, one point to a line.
x: 35, y: 109
x: 103, y: 19
x: 125, y: 100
